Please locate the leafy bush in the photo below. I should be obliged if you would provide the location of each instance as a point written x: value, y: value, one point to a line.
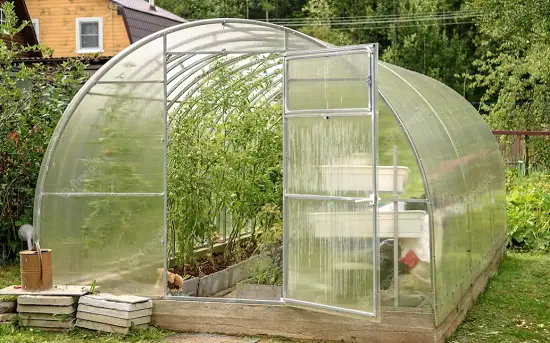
x: 32, y: 99
x: 528, y: 202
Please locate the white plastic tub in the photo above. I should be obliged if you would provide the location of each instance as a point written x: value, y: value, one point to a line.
x: 358, y: 178
x: 359, y: 224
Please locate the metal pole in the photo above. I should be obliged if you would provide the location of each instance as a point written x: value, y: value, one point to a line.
x: 165, y: 117
x: 395, y: 231
x: 374, y: 132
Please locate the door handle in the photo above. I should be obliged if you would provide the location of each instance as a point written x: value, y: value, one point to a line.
x: 370, y: 200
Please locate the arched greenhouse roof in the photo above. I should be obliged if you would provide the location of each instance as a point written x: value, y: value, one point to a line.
x: 459, y: 160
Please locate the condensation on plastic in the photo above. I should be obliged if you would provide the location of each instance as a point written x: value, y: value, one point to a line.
x: 328, y: 265
x: 327, y: 156
x: 462, y: 187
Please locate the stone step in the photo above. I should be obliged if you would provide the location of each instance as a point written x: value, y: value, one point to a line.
x: 86, y: 324
x: 7, y: 317
x: 115, y: 313
x: 110, y: 303
x: 45, y: 323
x: 47, y: 300
x: 113, y: 321
x: 47, y: 309
x: 48, y: 316
x: 8, y: 306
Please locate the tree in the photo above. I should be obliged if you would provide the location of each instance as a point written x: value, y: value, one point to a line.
x: 513, y: 68
x: 32, y: 99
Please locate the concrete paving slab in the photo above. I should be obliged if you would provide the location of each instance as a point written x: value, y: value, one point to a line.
x: 48, y: 300
x: 48, y: 316
x: 56, y: 290
x: 113, y: 321
x: 127, y: 299
x: 115, y: 313
x: 47, y: 309
x: 121, y: 306
x: 7, y: 317
x: 8, y: 306
x: 45, y: 323
x: 86, y: 324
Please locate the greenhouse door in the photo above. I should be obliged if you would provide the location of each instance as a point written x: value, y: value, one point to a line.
x: 330, y: 255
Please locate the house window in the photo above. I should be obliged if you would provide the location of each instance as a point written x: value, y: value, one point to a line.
x: 89, y: 35
x: 36, y: 26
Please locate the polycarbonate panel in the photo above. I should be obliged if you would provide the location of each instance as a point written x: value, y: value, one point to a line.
x: 481, y: 162
x: 137, y: 63
x: 330, y: 156
x: 446, y: 188
x: 390, y: 135
x: 414, y: 289
x: 112, y: 143
x: 114, y: 241
x: 233, y: 36
x: 329, y: 82
x: 468, y: 240
x: 329, y: 254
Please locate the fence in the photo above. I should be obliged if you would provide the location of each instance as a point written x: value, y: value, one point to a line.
x: 518, y: 152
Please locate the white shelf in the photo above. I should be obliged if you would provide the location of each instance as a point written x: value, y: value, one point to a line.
x: 358, y: 178
x: 359, y: 224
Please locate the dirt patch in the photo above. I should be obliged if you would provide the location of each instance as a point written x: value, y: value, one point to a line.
x: 209, y: 265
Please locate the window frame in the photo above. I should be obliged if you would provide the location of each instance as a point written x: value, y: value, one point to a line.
x: 36, y: 27
x: 95, y: 20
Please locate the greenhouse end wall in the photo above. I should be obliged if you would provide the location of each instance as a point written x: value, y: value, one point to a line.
x: 101, y: 198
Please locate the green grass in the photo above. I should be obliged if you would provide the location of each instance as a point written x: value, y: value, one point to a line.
x: 514, y: 309
x: 516, y: 305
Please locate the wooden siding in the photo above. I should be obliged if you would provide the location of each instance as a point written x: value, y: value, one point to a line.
x: 58, y: 24
x: 23, y: 36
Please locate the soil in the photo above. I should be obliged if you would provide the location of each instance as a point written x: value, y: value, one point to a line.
x: 209, y: 265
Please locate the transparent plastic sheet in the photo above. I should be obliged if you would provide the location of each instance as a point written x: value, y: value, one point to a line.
x: 467, y: 250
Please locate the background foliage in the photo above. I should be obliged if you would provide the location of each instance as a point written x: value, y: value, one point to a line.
x: 528, y: 203
x: 32, y: 99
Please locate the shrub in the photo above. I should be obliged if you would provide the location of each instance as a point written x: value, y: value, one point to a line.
x: 528, y: 202
x: 32, y: 99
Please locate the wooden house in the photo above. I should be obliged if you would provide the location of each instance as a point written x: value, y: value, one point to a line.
x: 105, y: 27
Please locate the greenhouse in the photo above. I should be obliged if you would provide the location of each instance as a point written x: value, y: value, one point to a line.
x: 235, y: 154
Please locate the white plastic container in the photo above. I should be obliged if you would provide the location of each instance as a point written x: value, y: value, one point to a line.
x: 359, y: 224
x: 358, y: 178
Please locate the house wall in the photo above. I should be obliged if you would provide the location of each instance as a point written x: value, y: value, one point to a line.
x: 58, y: 24
x: 22, y: 37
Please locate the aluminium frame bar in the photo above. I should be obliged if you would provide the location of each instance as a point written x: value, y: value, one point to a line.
x: 395, y: 231
x: 100, y: 194
x: 226, y: 52
x: 333, y: 112
x: 165, y: 141
x: 311, y: 305
x: 374, y: 120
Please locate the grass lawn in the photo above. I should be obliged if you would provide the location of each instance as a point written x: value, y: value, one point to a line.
x: 515, y: 309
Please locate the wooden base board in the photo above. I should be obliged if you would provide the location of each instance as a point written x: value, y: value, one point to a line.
x: 453, y: 320
x: 396, y: 326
